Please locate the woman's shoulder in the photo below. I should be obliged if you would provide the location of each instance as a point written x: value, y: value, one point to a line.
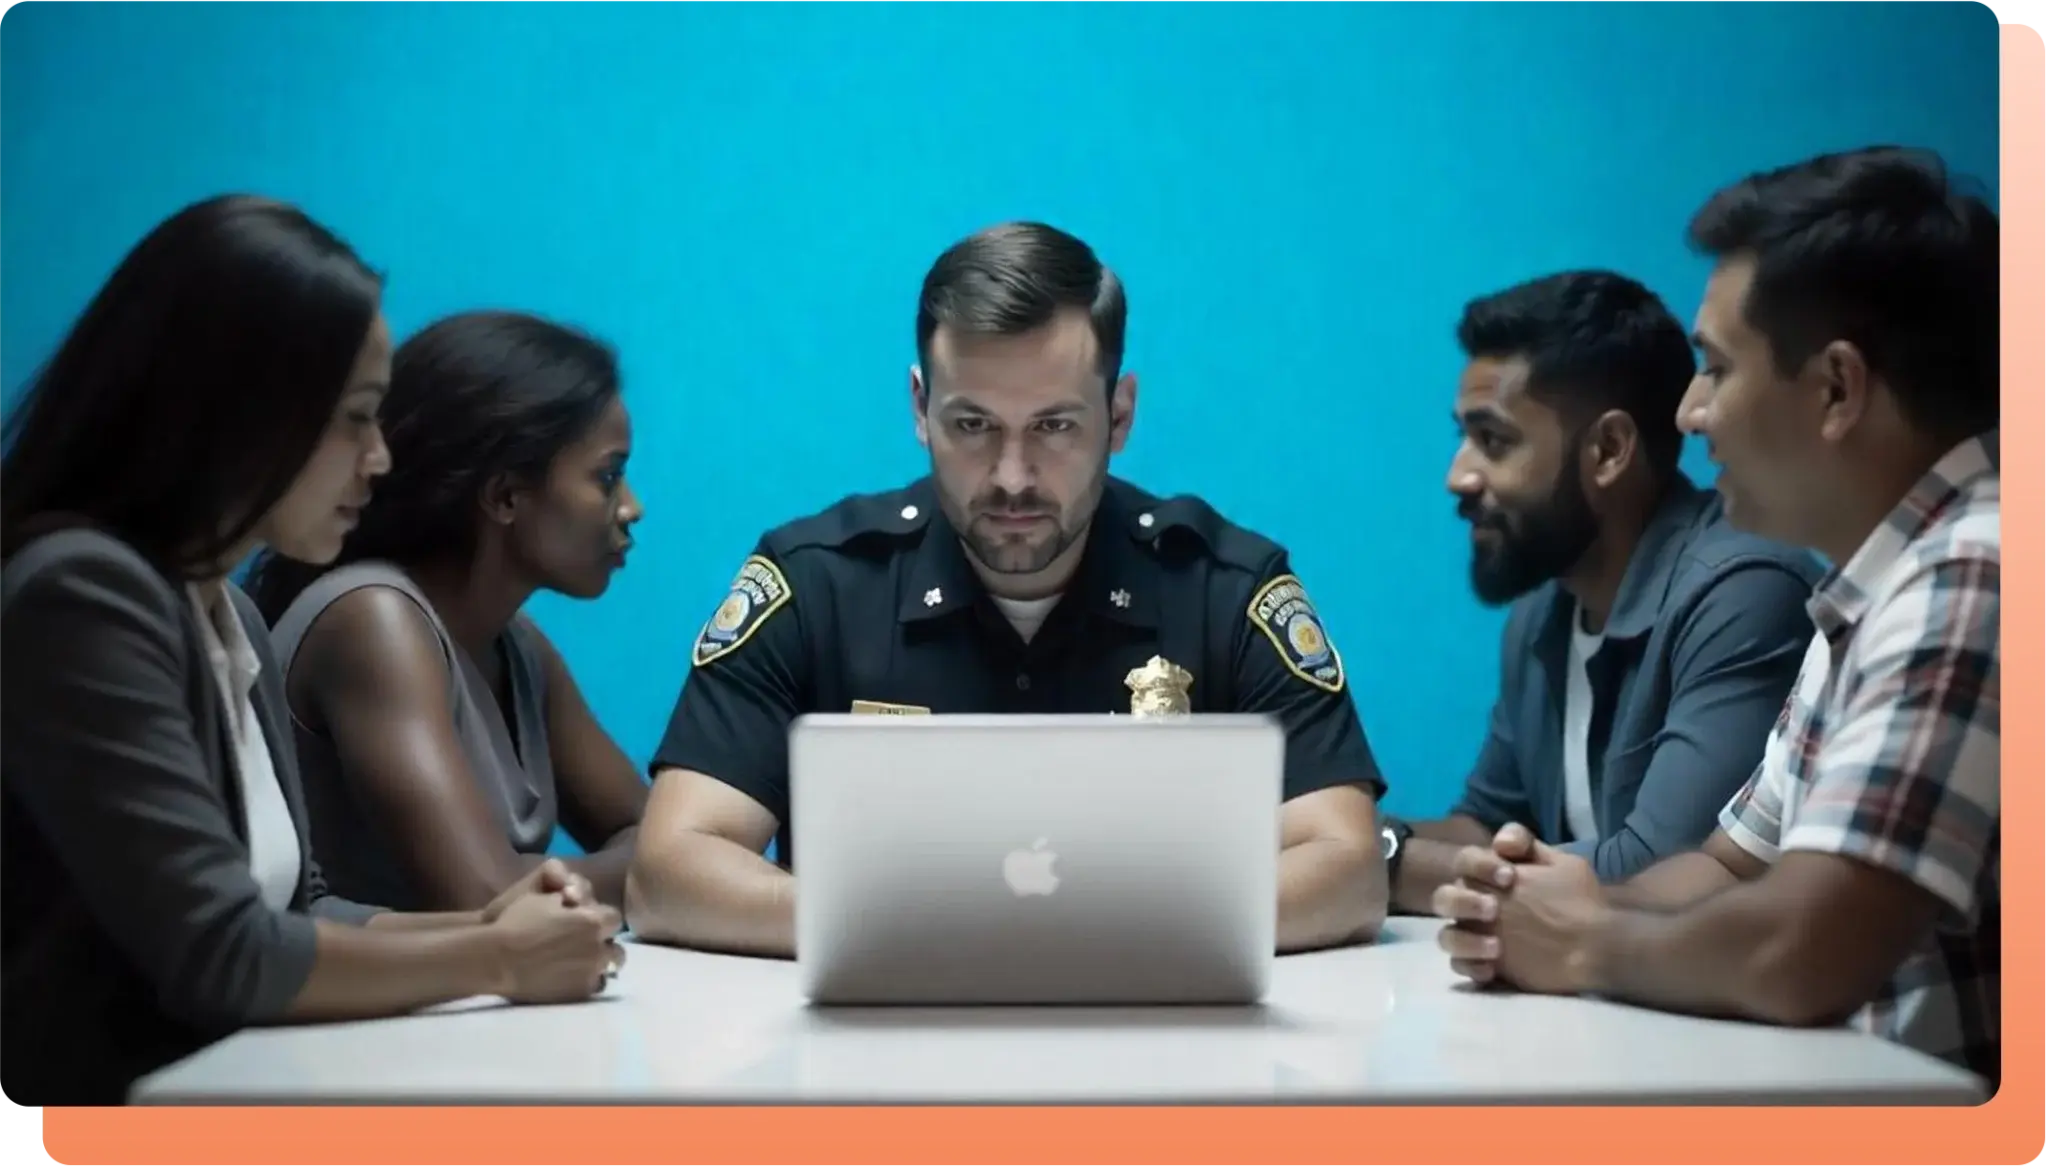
x: 367, y: 646
x: 370, y: 597
x: 80, y: 562
x: 335, y: 584
x: 83, y: 606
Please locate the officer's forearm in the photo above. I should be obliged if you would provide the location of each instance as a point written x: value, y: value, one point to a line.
x: 707, y: 892
x: 1332, y: 892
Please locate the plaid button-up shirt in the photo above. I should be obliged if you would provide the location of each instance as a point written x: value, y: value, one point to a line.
x: 1887, y: 751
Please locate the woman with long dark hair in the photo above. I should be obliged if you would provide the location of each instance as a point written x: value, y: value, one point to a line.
x: 443, y: 737
x: 160, y: 890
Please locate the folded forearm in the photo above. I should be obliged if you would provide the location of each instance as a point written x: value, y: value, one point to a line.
x: 1673, y: 883
x: 1711, y: 959
x: 377, y: 972
x: 1331, y: 892
x: 606, y: 869
x: 1457, y: 829
x: 711, y: 893
x: 413, y: 922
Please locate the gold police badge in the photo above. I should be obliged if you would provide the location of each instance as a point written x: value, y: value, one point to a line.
x: 1159, y: 687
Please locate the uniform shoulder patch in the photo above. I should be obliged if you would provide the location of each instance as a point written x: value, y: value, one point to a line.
x: 757, y: 591
x: 1281, y: 610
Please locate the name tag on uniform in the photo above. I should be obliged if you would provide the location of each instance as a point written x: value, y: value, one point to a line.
x: 864, y: 707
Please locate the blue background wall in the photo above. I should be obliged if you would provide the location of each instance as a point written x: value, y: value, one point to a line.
x: 744, y: 199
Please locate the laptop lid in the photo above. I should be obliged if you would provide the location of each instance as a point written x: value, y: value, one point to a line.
x: 955, y: 859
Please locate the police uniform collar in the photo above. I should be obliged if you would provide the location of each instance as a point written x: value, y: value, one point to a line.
x: 939, y: 581
x: 1120, y: 577
x: 1117, y: 578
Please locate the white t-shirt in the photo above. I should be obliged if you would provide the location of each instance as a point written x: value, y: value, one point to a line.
x: 1578, y: 721
x: 1026, y: 615
x: 273, y: 837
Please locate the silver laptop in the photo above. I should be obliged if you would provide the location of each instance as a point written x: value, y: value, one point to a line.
x: 1035, y: 859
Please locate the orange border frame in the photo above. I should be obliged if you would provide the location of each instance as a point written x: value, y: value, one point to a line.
x: 2007, y: 1130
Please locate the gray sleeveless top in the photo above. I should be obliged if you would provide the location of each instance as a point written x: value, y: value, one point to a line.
x: 357, y: 851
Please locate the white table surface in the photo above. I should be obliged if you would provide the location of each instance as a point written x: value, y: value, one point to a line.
x: 1384, y: 1023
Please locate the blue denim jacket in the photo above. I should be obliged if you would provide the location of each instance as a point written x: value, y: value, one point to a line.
x: 1700, y: 652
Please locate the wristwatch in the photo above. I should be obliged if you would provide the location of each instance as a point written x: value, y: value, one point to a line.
x: 1393, y: 842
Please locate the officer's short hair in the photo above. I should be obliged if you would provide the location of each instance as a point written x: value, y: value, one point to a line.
x: 1594, y: 341
x: 1881, y: 248
x: 1015, y: 277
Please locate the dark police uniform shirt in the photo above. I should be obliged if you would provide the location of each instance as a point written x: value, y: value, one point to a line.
x: 872, y: 604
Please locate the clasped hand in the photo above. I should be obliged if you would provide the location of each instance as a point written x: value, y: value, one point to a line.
x: 560, y: 943
x: 1521, y: 913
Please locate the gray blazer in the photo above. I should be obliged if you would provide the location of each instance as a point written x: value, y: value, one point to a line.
x: 131, y: 929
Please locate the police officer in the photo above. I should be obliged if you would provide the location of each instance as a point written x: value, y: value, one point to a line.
x: 1018, y: 577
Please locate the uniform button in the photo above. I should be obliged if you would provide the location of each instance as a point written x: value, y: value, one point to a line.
x: 1145, y: 520
x: 1023, y: 681
x: 910, y: 512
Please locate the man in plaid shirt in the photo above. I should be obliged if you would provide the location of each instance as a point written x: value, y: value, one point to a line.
x: 1849, y: 390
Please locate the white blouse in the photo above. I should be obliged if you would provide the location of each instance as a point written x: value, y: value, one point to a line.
x: 273, y: 837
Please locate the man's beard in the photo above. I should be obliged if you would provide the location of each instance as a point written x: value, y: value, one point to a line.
x: 1533, y: 547
x: 1010, y: 556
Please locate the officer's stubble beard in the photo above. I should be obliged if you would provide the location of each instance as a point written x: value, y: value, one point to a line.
x: 1000, y: 557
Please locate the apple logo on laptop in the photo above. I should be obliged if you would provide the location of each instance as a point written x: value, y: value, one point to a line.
x: 1029, y: 872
